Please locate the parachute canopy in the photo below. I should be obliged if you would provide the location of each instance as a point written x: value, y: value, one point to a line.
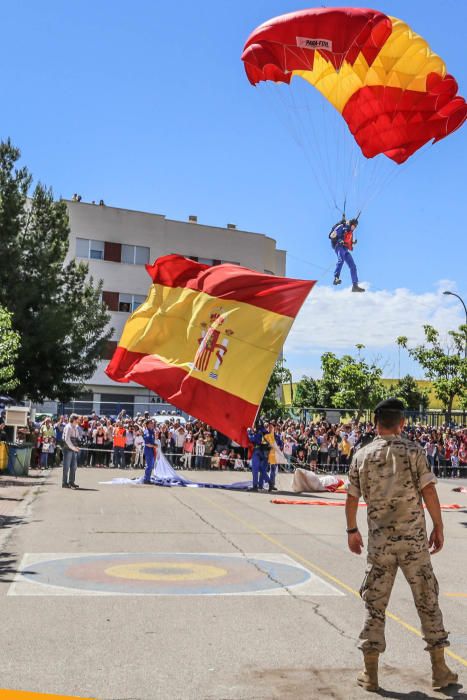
x: 392, y: 90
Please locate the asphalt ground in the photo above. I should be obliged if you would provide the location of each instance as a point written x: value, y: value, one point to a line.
x: 236, y: 621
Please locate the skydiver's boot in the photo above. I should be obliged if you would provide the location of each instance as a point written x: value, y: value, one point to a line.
x: 441, y: 674
x: 368, y: 678
x: 337, y: 280
x: 356, y: 288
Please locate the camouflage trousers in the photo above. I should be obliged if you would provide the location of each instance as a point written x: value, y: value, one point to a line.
x: 382, y: 565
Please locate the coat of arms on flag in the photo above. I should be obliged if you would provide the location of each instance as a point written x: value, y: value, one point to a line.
x: 206, y: 338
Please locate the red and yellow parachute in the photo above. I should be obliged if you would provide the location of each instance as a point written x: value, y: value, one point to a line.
x: 392, y: 90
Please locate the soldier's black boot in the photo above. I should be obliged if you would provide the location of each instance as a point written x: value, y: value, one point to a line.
x: 356, y: 288
x: 368, y: 678
x: 337, y: 280
x: 442, y: 675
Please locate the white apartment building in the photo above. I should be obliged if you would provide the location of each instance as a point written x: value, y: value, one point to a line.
x: 117, y: 243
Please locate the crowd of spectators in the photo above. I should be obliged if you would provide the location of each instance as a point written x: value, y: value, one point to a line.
x: 117, y: 442
x: 330, y: 447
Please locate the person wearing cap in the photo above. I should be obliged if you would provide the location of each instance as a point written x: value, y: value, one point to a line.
x: 393, y: 477
x: 342, y: 241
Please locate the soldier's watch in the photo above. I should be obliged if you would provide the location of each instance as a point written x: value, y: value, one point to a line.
x: 351, y: 530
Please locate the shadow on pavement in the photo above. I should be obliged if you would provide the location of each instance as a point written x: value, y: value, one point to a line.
x: 22, y: 481
x: 9, y: 567
x: 453, y: 691
x: 7, y: 521
x: 84, y: 489
x: 305, y: 494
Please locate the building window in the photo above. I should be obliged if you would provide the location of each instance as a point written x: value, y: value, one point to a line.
x: 86, y: 248
x: 112, y: 404
x: 110, y: 299
x: 98, y: 250
x: 135, y: 254
x: 130, y: 302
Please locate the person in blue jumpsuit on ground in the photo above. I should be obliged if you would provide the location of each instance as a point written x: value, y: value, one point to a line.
x: 259, y: 460
x: 150, y: 448
x: 342, y: 241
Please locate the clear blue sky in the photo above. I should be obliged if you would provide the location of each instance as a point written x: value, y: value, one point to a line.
x: 146, y: 105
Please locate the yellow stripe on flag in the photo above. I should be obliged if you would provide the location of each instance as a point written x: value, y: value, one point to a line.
x: 6, y: 694
x: 242, y: 342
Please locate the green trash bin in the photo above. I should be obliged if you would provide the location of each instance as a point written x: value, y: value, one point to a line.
x: 19, y: 458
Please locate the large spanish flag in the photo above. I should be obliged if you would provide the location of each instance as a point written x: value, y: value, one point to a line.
x: 206, y: 338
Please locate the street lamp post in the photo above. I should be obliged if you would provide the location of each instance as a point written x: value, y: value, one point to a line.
x: 451, y: 294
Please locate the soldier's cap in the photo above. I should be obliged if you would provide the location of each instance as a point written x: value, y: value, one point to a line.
x: 390, y: 404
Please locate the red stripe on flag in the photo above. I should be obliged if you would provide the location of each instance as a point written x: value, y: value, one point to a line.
x: 279, y: 294
x: 223, y: 411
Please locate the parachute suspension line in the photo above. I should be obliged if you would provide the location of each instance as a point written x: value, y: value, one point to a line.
x: 294, y: 126
x: 318, y: 142
x: 302, y: 134
x: 324, y: 270
x: 350, y: 153
x: 393, y: 174
x: 302, y: 137
x: 315, y: 143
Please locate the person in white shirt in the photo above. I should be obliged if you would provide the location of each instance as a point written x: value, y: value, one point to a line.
x: 129, y: 446
x: 200, y: 447
x: 139, y: 450
x: 179, y: 439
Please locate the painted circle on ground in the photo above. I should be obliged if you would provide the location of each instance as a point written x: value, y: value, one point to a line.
x: 174, y: 573
x: 166, y: 571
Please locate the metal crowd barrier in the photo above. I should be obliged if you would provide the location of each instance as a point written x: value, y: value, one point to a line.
x: 179, y: 461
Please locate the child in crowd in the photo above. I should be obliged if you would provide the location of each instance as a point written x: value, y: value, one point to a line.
x: 44, y: 458
x: 238, y: 463
x: 333, y: 454
x: 215, y: 461
x: 51, y: 459
x: 188, y: 447
x: 224, y: 459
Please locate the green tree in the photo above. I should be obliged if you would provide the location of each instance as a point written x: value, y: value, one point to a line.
x: 306, y: 393
x: 271, y: 404
x: 410, y: 393
x: 350, y: 383
x: 9, y: 346
x: 328, y: 384
x: 445, y: 366
x: 56, y: 308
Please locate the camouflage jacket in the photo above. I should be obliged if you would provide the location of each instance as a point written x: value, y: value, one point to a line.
x: 390, y: 473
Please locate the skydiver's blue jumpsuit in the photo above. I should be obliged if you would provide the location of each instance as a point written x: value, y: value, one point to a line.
x: 149, y: 441
x: 259, y: 460
x: 343, y: 254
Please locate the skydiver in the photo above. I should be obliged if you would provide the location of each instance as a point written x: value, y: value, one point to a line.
x: 342, y: 242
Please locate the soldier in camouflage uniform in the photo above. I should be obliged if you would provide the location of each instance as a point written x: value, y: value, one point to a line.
x: 392, y: 475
